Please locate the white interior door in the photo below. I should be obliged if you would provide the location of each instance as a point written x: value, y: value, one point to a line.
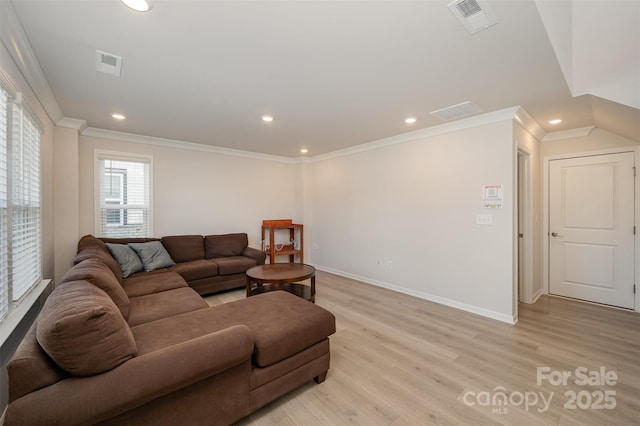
x: 591, y: 228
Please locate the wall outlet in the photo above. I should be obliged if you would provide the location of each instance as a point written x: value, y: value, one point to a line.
x: 484, y: 219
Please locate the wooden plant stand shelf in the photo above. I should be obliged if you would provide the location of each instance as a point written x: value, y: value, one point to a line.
x: 295, y: 230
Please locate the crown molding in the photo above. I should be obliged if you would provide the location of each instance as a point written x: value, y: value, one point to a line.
x: 529, y: 124
x: 467, y: 123
x: 568, y: 134
x: 16, y: 42
x: 72, y: 123
x: 171, y: 143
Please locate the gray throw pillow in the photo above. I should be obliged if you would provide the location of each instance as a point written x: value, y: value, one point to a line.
x: 153, y: 255
x: 127, y: 258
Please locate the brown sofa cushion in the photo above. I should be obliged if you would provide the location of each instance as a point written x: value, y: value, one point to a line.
x: 83, y: 331
x: 225, y: 245
x: 103, y: 255
x: 282, y: 325
x: 184, y: 248
x: 233, y: 264
x: 148, y: 283
x: 30, y: 368
x: 89, y: 241
x: 196, y: 269
x: 163, y: 305
x: 280, y: 333
x: 98, y: 274
x: 128, y: 240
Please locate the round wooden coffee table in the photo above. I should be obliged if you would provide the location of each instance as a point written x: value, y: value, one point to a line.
x: 282, y: 276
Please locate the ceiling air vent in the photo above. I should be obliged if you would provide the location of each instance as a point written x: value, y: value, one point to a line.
x: 455, y: 112
x: 108, y: 63
x: 475, y: 15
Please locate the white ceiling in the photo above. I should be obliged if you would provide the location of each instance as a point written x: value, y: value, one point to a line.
x: 334, y: 74
x: 598, y: 46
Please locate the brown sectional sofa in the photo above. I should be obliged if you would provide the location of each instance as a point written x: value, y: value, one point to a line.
x: 147, y: 349
x: 209, y: 264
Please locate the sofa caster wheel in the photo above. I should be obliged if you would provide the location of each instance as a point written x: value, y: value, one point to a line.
x: 319, y: 379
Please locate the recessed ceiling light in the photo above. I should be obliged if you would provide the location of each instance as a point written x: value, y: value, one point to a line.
x: 555, y: 121
x: 138, y: 5
x: 267, y: 118
x: 410, y: 120
x: 304, y: 150
x: 118, y: 116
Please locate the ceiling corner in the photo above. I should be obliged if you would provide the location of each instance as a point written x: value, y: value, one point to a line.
x: 72, y: 123
x: 568, y: 134
x: 582, y: 33
x: 524, y: 119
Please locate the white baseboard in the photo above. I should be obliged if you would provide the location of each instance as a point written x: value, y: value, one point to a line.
x: 426, y: 296
x: 536, y: 296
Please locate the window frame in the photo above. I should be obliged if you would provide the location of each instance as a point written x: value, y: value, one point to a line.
x: 97, y: 179
x: 15, y: 107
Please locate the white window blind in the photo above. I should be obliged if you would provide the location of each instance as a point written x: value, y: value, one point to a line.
x: 123, y: 205
x: 4, y: 202
x: 20, y: 205
x: 26, y: 270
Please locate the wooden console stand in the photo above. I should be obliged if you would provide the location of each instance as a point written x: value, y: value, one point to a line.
x: 296, y: 232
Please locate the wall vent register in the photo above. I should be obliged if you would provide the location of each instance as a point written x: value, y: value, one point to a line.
x: 455, y: 112
x: 108, y: 63
x: 475, y: 15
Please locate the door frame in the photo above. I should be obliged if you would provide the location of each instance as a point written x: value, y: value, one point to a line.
x: 545, y: 211
x: 525, y: 218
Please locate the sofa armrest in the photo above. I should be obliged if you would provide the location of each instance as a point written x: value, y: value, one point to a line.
x: 256, y: 254
x: 88, y: 400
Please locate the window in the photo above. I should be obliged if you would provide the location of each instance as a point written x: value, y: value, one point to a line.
x: 4, y: 198
x: 20, y: 202
x: 123, y: 195
x: 114, y: 194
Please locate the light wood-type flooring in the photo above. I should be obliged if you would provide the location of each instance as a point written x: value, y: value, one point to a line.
x: 400, y: 360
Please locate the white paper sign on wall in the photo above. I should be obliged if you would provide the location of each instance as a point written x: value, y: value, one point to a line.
x: 492, y: 197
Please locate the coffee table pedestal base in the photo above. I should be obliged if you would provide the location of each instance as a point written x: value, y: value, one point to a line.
x: 298, y: 289
x: 282, y: 276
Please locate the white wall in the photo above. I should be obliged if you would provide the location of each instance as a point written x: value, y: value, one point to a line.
x: 66, y: 200
x: 200, y: 192
x: 404, y: 217
x: 47, y: 148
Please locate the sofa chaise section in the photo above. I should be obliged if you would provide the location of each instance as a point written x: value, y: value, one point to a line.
x: 290, y: 336
x: 199, y: 381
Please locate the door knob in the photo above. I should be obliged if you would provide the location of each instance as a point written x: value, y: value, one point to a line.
x: 555, y: 234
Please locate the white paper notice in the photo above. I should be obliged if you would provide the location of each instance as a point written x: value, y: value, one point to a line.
x: 492, y: 197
